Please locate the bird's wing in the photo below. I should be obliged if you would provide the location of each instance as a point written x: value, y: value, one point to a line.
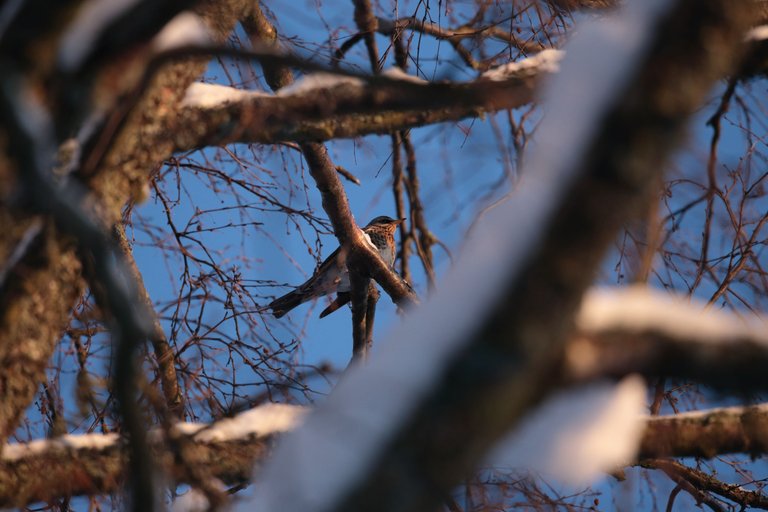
x: 327, y: 276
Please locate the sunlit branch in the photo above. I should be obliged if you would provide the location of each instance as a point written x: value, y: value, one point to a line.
x: 96, y: 464
x: 346, y: 110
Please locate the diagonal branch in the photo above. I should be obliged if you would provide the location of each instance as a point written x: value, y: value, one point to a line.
x: 164, y: 357
x: 699, y: 483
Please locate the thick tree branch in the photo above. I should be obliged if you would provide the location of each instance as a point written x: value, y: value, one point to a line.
x: 230, y: 450
x: 346, y: 110
x: 638, y: 330
x: 707, y: 433
x: 31, y: 142
x: 96, y: 464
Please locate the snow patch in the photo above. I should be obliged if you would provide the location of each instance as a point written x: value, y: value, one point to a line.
x: 319, y: 80
x: 698, y: 415
x: 759, y: 33
x: 91, y: 20
x: 17, y: 451
x: 643, y: 309
x: 546, y: 61
x: 260, y: 421
x: 396, y: 73
x: 204, y: 95
x: 577, y: 436
x: 185, y: 29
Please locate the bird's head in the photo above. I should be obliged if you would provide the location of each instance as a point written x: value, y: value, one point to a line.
x: 382, y: 221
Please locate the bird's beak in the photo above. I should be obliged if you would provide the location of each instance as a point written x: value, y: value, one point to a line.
x: 399, y: 221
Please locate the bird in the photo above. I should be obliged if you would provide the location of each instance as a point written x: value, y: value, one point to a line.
x: 332, y: 275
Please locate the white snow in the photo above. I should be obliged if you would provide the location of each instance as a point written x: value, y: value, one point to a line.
x: 643, y: 309
x: 319, y: 80
x: 693, y: 415
x: 203, y: 95
x: 546, y: 61
x: 320, y: 461
x: 759, y: 33
x: 579, y: 435
x: 397, y: 73
x: 68, y: 441
x: 260, y: 421
x: 92, y: 17
x: 187, y: 28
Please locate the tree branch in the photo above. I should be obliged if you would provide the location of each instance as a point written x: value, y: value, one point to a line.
x: 707, y: 433
x: 638, y: 330
x: 346, y: 110
x: 698, y: 483
x: 230, y: 450
x: 164, y: 357
x: 94, y: 464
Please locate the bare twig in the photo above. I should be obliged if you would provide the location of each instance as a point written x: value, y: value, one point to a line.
x: 698, y: 484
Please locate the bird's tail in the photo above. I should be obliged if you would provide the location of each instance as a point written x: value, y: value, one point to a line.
x: 341, y: 299
x: 287, y: 302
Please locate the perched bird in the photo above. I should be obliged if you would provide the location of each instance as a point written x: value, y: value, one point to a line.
x: 333, y: 277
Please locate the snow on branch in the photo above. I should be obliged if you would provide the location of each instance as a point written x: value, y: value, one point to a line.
x: 653, y: 333
x: 187, y: 28
x: 759, y: 33
x: 260, y: 421
x: 575, y: 437
x: 207, y: 96
x: 43, y: 470
x: 707, y: 433
x: 643, y: 309
x: 319, y: 80
x: 546, y: 61
x: 578, y: 436
x: 325, y: 106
